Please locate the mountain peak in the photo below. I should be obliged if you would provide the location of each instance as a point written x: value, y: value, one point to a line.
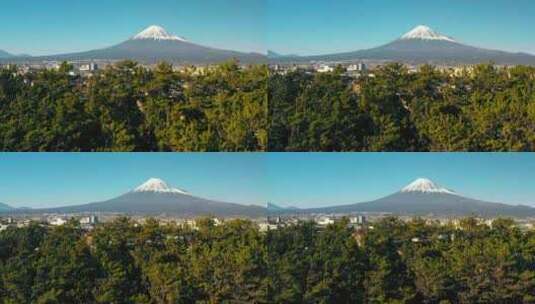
x: 159, y: 186
x: 423, y: 32
x: 155, y: 32
x: 425, y: 185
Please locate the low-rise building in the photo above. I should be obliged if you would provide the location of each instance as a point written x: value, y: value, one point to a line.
x: 358, y: 220
x: 358, y: 67
x: 324, y: 69
x: 90, y: 67
x: 90, y: 220
x: 57, y: 221
x: 324, y: 221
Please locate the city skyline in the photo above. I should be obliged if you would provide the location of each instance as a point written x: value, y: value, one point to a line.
x: 301, y: 180
x: 321, y: 27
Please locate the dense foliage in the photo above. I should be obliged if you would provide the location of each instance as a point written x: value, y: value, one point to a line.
x: 395, y: 262
x: 127, y: 107
x: 484, y: 109
x: 399, y: 262
x: 121, y: 262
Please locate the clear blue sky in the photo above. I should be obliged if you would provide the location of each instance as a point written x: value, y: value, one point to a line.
x: 324, y: 26
x: 55, y: 26
x: 301, y: 179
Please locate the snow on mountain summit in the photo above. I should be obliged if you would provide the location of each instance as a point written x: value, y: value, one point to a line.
x: 424, y: 32
x: 425, y: 185
x: 156, y: 32
x: 159, y: 186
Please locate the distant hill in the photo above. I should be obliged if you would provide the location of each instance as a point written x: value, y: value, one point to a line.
x: 4, y: 207
x: 5, y: 55
x: 155, y: 44
x: 423, y: 45
x: 273, y: 208
x: 275, y: 55
x: 155, y: 197
x: 423, y: 197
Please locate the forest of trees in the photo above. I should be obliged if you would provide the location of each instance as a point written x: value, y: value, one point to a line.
x: 486, y: 109
x: 398, y: 262
x: 122, y: 262
x: 395, y: 262
x: 127, y: 107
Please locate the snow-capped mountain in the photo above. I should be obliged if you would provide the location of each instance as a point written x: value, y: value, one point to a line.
x: 424, y: 32
x: 424, y: 185
x: 155, y: 32
x: 155, y: 44
x: 156, y: 197
x: 424, y: 197
x: 425, y: 45
x: 158, y: 186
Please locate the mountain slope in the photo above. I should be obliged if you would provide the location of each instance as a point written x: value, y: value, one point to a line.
x: 156, y: 44
x: 440, y: 204
x: 423, y: 197
x: 155, y: 197
x: 5, y: 208
x: 423, y: 45
x: 274, y: 208
x: 4, y: 55
x: 274, y: 55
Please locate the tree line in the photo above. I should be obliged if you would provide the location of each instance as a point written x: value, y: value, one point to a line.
x: 127, y: 107
x: 123, y: 262
x: 486, y: 108
x: 399, y: 262
x: 389, y: 261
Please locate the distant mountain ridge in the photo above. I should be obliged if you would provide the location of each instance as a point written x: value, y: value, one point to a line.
x: 4, y: 55
x: 155, y: 197
x: 424, y: 45
x: 274, y: 55
x: 155, y: 44
x: 423, y: 197
x: 153, y: 203
x: 5, y: 207
x: 274, y: 208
